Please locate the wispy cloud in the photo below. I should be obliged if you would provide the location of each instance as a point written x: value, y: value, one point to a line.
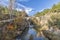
x: 4, y: 2
x: 27, y: 9
x: 23, y: 0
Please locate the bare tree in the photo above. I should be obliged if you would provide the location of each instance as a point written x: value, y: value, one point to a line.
x: 11, y: 7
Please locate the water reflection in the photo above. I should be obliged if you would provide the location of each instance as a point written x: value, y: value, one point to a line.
x: 33, y: 33
x: 30, y: 32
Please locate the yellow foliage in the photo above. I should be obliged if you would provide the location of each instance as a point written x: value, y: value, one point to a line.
x: 10, y: 27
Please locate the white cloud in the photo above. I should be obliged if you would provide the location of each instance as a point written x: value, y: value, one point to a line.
x: 18, y: 9
x: 28, y: 10
x: 41, y: 10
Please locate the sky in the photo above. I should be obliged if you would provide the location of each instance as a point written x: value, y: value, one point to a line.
x: 31, y: 6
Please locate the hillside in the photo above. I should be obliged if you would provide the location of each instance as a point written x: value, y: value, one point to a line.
x: 49, y: 23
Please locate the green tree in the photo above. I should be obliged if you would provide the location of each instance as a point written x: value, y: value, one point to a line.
x: 45, y: 11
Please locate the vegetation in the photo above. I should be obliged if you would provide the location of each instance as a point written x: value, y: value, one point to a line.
x: 55, y: 20
x: 56, y: 8
x: 5, y: 10
x: 9, y: 30
x: 45, y: 11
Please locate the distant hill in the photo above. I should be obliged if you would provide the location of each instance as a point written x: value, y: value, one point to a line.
x: 54, y: 8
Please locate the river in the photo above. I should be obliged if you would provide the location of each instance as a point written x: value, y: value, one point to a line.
x: 32, y: 32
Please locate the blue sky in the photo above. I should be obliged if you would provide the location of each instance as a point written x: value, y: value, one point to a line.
x: 32, y: 6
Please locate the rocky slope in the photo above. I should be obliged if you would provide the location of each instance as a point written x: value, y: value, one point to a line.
x: 49, y: 22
